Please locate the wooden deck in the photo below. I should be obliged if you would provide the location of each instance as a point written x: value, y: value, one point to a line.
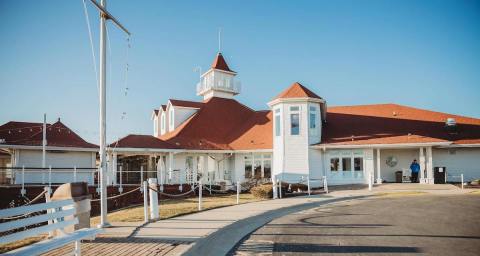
x: 113, y: 246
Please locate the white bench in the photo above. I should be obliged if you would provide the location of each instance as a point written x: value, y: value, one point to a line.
x: 60, y: 214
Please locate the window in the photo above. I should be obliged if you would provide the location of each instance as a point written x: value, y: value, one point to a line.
x: 267, y: 169
x: 358, y: 163
x: 162, y: 120
x: 313, y: 117
x: 277, y: 122
x: 248, y: 169
x: 295, y: 108
x: 346, y: 164
x: 294, y: 124
x: 334, y: 164
x: 257, y: 170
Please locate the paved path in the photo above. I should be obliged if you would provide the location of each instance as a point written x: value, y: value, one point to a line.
x: 427, y: 224
x: 219, y: 229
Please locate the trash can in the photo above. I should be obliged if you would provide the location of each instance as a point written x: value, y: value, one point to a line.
x: 78, y: 191
x: 398, y: 176
x: 439, y: 175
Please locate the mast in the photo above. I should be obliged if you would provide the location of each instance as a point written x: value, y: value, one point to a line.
x: 103, y: 80
x: 44, y: 141
x: 104, y: 15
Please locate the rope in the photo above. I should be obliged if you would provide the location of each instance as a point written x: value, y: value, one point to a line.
x: 29, y: 203
x: 217, y: 191
x: 116, y: 196
x: 174, y: 195
x: 91, y: 44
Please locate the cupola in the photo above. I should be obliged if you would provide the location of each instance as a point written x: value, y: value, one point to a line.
x: 218, y: 81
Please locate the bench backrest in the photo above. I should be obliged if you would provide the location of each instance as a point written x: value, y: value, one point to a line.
x: 59, y: 211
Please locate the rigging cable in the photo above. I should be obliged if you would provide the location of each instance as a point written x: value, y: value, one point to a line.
x: 91, y: 44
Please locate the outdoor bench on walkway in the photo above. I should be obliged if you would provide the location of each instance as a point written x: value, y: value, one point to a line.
x: 58, y: 214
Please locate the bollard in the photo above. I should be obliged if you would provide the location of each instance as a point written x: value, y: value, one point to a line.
x: 154, y: 213
x: 145, y: 201
x: 369, y: 181
x: 238, y: 191
x: 200, y: 188
x: 308, y: 184
x: 461, y: 177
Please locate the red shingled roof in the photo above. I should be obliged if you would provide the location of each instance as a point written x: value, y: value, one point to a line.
x: 186, y: 103
x: 223, y: 124
x: 296, y: 90
x: 141, y: 141
x: 220, y: 63
x: 391, y: 124
x: 30, y: 134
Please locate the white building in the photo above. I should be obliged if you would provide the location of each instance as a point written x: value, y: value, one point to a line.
x: 22, y: 151
x: 225, y: 141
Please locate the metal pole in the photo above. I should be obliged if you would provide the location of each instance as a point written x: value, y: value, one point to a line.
x: 200, y: 188
x: 23, y: 181
x: 308, y: 184
x: 238, y: 191
x: 280, y: 188
x: 145, y: 201
x: 103, y: 82
x: 44, y: 141
x: 50, y: 177
x: 120, y: 189
x: 74, y: 173
x: 461, y: 177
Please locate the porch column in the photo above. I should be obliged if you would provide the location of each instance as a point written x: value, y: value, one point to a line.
x: 379, y: 173
x: 429, y: 166
x: 194, y: 170
x: 206, y: 172
x: 170, y: 167
x: 114, y: 168
x: 421, y: 160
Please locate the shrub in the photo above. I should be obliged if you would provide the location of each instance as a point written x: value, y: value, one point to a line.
x: 263, y: 191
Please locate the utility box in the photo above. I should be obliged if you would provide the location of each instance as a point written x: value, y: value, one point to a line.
x: 78, y: 191
x: 398, y: 176
x: 439, y: 175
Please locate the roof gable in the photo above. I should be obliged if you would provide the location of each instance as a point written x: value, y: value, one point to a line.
x: 296, y: 90
x: 185, y: 103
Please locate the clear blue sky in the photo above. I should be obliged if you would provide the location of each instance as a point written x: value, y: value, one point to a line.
x: 424, y: 54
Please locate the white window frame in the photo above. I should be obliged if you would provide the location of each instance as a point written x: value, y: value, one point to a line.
x: 312, y: 110
x: 293, y: 112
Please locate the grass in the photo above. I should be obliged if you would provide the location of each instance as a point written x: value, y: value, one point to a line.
x: 176, y: 207
x: 400, y: 193
x: 17, y: 244
x: 475, y: 192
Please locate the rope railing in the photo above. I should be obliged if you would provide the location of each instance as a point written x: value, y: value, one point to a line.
x: 117, y: 196
x: 175, y: 195
x: 28, y: 203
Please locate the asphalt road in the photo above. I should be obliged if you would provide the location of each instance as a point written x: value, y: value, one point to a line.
x: 407, y: 225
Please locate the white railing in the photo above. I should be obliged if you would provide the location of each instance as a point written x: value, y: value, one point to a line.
x: 233, y: 86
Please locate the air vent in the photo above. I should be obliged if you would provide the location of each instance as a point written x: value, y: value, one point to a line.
x: 451, y: 126
x: 451, y: 122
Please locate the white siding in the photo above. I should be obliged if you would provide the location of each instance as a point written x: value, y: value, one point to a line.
x: 458, y: 161
x: 182, y: 114
x: 404, y: 158
x: 296, y: 146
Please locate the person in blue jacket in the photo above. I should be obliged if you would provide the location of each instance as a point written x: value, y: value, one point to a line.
x: 415, y: 167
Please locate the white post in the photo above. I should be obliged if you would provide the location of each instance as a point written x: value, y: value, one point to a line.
x: 379, y: 172
x: 430, y: 166
x: 50, y: 176
x: 145, y: 201
x: 422, y: 165
x: 74, y: 173
x: 120, y: 189
x: 308, y: 184
x: 47, y: 200
x: 141, y: 174
x: 325, y: 184
x: 200, y: 188
x: 238, y: 191
x: 274, y: 187
x: 103, y: 113
x: 210, y: 182
x: 44, y: 141
x: 369, y: 181
x: 154, y: 213
x: 23, y: 181
x: 115, y: 168
x: 461, y: 178
x: 280, y: 188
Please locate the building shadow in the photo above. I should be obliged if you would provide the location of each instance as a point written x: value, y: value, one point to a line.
x: 327, y: 248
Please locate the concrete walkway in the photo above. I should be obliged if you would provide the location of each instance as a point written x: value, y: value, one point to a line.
x: 216, y: 231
